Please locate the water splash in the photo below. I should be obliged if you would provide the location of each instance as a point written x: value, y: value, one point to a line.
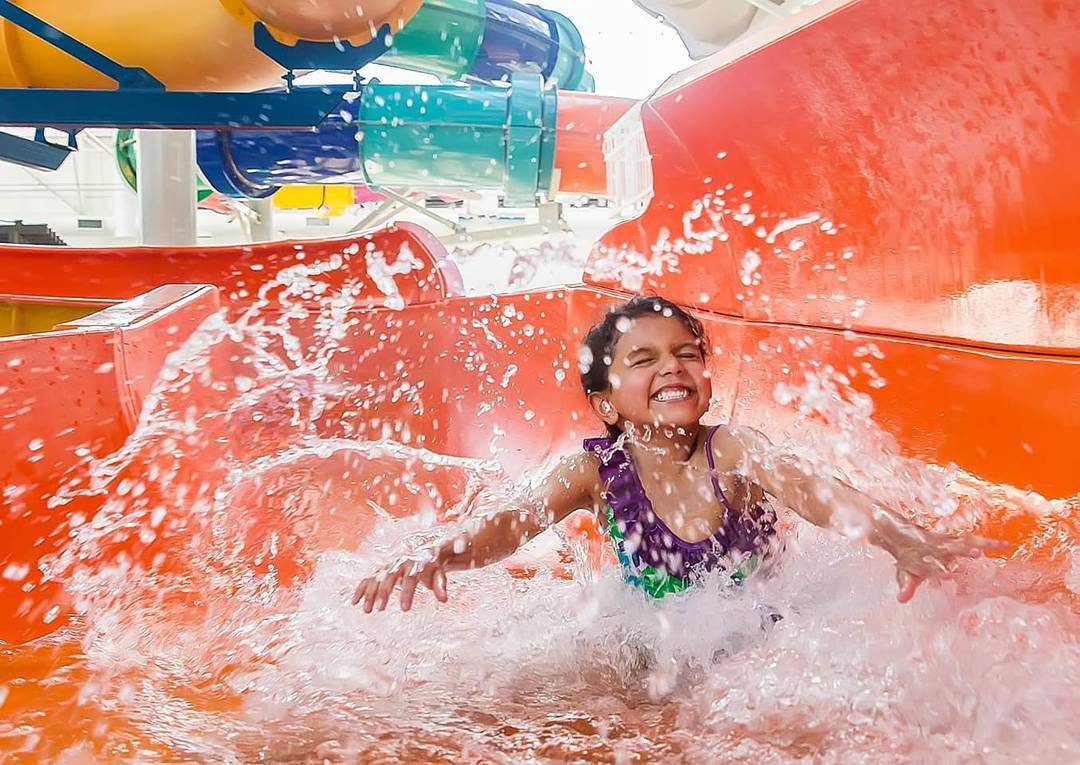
x: 213, y: 556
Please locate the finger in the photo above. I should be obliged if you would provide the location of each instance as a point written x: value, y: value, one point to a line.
x: 381, y: 591
x: 361, y: 589
x: 360, y: 598
x: 975, y: 547
x: 408, y: 590
x: 907, y: 584
x: 386, y: 588
x: 981, y: 545
x: 369, y: 596
x: 438, y: 584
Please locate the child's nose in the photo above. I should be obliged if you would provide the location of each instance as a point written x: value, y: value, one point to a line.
x: 671, y: 365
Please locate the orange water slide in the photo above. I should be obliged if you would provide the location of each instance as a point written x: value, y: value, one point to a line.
x: 904, y: 177
x: 857, y: 200
x: 86, y: 333
x: 487, y: 377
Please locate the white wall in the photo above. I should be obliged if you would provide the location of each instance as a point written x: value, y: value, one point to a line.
x: 87, y: 185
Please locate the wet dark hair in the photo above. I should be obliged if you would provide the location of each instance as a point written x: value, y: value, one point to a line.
x: 595, y: 355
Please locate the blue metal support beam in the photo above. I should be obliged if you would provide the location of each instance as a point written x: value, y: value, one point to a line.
x: 40, y: 107
x: 142, y: 101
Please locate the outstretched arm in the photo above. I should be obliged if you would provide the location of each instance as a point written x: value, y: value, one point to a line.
x: 830, y: 503
x: 488, y: 539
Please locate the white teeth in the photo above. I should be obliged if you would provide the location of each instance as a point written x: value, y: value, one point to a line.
x: 672, y: 394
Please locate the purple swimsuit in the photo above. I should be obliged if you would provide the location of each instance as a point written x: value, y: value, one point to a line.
x: 653, y: 557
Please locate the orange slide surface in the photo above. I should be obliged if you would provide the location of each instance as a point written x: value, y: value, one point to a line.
x: 878, y: 206
x: 914, y: 187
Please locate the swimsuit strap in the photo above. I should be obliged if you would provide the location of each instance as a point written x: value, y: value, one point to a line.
x: 620, y: 480
x: 712, y: 470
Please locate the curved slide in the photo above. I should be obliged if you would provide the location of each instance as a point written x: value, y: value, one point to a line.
x: 521, y: 140
x: 433, y: 137
x: 518, y: 139
x: 213, y: 49
x: 839, y: 186
x: 707, y: 26
x: 898, y: 237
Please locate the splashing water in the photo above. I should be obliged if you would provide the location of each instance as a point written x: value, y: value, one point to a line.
x: 212, y: 559
x: 550, y: 262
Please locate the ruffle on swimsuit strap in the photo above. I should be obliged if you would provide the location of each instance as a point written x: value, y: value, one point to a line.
x: 646, y: 539
x: 622, y: 489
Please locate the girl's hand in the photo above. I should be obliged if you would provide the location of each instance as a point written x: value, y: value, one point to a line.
x: 920, y: 554
x: 374, y: 592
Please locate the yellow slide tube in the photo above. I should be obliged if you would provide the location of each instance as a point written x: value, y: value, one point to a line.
x: 187, y: 44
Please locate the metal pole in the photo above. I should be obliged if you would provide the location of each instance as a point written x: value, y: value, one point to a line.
x: 262, y: 226
x: 166, y: 180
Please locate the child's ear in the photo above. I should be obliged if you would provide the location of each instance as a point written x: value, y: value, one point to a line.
x: 603, y: 407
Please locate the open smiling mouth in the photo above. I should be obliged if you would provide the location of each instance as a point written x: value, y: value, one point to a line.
x: 672, y: 393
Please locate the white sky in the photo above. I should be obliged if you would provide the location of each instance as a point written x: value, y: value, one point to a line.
x: 630, y: 53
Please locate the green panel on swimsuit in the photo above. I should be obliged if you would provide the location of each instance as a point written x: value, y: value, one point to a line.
x: 654, y: 582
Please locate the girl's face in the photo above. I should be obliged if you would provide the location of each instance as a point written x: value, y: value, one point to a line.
x: 657, y: 375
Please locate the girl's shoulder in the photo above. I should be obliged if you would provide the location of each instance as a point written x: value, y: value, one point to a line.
x: 580, y: 470
x: 736, y: 446
x: 739, y: 437
x: 571, y: 484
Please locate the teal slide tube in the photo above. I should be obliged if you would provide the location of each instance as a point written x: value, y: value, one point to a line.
x: 488, y: 40
x: 493, y: 137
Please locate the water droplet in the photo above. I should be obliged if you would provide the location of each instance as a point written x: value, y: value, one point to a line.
x: 16, y: 572
x: 585, y: 359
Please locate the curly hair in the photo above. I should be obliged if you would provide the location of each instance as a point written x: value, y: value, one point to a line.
x: 595, y: 355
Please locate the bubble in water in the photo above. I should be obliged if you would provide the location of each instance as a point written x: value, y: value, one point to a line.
x: 585, y: 359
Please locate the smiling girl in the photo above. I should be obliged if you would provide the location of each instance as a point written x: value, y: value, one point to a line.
x: 678, y: 499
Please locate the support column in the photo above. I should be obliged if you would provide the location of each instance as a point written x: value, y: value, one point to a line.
x: 166, y: 180
x: 262, y: 228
